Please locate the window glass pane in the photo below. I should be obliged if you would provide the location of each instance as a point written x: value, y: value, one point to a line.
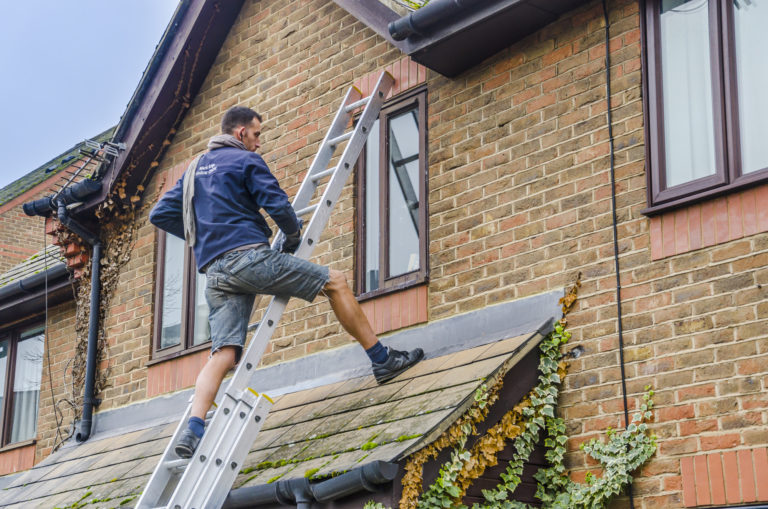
x: 202, y: 329
x: 404, y: 193
x: 372, y: 210
x: 687, y: 91
x: 26, y: 384
x: 4, y: 345
x: 751, y: 20
x: 173, y: 286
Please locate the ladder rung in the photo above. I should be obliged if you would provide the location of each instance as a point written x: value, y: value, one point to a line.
x: 335, y: 141
x: 307, y: 210
x: 355, y: 105
x: 179, y: 463
x: 320, y: 175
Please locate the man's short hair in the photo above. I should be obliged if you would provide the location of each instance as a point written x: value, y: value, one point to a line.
x: 237, y: 116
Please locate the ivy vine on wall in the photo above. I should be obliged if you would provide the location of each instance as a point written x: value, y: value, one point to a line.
x: 620, y: 455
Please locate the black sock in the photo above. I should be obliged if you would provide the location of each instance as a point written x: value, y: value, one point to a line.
x: 378, y: 353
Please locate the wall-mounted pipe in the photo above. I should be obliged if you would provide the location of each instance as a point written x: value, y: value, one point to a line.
x: 44, y: 207
x: 86, y: 421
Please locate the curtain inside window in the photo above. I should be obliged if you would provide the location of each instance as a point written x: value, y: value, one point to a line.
x: 26, y: 384
x: 687, y: 91
x: 751, y: 22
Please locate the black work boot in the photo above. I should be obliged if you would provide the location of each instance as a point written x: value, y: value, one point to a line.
x: 187, y: 444
x: 396, y: 363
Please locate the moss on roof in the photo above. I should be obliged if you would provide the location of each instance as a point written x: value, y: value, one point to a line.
x: 46, y: 171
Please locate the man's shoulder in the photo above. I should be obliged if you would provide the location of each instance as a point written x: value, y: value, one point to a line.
x: 237, y: 156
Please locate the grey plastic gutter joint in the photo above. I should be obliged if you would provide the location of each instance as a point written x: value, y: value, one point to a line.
x: 302, y: 493
x: 93, y: 321
x: 419, y: 21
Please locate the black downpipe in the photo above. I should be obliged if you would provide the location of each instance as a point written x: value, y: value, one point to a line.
x: 93, y: 322
x: 615, y: 228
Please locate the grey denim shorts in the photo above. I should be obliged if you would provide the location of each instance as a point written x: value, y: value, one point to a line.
x: 235, y: 278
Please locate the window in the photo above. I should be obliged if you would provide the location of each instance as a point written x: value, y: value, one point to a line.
x: 392, y: 217
x: 21, y: 368
x: 707, y: 109
x: 181, y: 311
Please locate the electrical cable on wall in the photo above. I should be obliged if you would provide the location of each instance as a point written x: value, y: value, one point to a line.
x: 614, y: 223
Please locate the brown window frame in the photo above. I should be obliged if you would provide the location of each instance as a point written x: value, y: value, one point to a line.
x: 728, y: 177
x: 13, y: 334
x: 188, y: 306
x: 417, y: 97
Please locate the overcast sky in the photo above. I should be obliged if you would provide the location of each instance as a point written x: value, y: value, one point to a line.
x: 68, y: 70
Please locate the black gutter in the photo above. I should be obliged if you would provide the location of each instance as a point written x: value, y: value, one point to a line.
x: 28, y: 284
x: 301, y: 493
x: 418, y: 22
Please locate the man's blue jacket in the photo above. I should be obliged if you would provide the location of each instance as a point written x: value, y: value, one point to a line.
x: 231, y: 187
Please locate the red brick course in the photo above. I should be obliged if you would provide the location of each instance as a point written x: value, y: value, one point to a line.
x: 732, y: 477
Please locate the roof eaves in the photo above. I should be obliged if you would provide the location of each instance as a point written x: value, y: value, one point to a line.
x: 375, y: 16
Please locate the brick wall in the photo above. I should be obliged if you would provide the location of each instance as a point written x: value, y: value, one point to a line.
x: 57, y: 367
x: 519, y: 203
x: 21, y: 236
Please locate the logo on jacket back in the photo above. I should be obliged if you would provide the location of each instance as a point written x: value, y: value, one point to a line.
x: 206, y: 169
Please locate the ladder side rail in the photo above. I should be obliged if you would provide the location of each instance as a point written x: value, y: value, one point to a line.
x: 347, y: 161
x: 201, y: 459
x: 272, y: 316
x: 258, y: 344
x: 215, y: 488
x: 215, y: 456
x: 160, y: 477
x: 325, y: 153
x: 237, y: 385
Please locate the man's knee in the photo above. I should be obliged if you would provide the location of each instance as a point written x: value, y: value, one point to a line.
x: 225, y: 356
x: 336, y: 281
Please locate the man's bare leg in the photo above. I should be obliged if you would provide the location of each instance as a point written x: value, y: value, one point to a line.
x: 387, y: 363
x: 348, y: 310
x: 209, y: 380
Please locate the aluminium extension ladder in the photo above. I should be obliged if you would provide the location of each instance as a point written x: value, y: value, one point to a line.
x: 203, y: 481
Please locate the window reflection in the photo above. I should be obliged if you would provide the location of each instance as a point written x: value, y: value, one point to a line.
x: 750, y: 20
x: 403, y: 193
x: 687, y: 91
x: 173, y: 286
x: 372, y: 210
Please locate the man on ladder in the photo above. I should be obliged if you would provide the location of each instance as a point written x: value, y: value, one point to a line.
x: 215, y: 206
